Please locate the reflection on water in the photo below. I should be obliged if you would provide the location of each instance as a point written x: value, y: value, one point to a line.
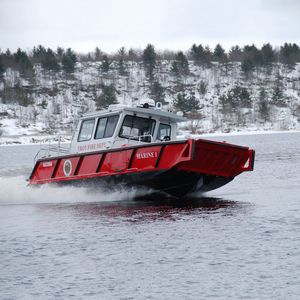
x: 141, y: 210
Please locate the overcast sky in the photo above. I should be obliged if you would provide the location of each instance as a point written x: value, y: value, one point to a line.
x: 172, y: 24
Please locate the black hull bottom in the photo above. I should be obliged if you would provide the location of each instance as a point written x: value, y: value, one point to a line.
x: 172, y: 182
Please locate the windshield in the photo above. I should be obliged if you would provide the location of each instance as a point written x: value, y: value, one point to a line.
x: 137, y: 128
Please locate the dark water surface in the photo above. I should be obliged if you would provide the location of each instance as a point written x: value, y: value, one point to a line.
x: 241, y: 241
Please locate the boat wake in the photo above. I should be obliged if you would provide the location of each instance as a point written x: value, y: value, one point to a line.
x: 15, y: 190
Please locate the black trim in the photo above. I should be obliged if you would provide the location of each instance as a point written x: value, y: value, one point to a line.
x: 34, y: 169
x: 78, y: 165
x: 100, y: 162
x: 253, y: 158
x: 193, y: 153
x: 56, y: 167
x: 159, y: 155
x: 131, y: 158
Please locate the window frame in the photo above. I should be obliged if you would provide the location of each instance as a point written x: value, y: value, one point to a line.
x: 106, y: 117
x: 134, y: 116
x: 158, y: 131
x: 81, y: 125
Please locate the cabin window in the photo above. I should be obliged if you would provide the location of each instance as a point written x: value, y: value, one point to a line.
x: 137, y: 128
x: 86, y: 130
x: 164, y: 132
x: 106, y: 127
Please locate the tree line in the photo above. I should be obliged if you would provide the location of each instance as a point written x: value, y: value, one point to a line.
x: 250, y: 56
x: 49, y: 59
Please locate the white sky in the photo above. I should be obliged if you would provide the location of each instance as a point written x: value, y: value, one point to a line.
x: 172, y: 24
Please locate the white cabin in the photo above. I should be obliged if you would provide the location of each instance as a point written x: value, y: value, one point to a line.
x: 122, y: 126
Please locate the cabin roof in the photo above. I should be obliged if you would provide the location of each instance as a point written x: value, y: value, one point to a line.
x: 150, y: 111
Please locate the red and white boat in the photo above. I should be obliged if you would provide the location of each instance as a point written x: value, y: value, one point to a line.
x: 137, y: 146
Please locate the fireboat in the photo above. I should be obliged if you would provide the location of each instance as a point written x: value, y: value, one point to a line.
x: 137, y: 146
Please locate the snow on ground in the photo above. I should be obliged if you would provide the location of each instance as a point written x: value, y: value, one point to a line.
x: 57, y: 100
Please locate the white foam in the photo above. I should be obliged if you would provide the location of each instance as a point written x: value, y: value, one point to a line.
x: 15, y: 190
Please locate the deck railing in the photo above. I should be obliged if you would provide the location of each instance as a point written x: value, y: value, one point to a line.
x: 52, y: 147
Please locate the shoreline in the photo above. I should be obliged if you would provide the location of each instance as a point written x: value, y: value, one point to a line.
x: 17, y: 141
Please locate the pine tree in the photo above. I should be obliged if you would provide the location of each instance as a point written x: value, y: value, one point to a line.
x: 195, y: 53
x: 203, y: 87
x: 59, y: 53
x: 21, y: 95
x: 263, y: 105
x: 180, y: 102
x: 175, y: 68
x: 39, y: 54
x: 133, y: 55
x: 107, y: 97
x: 253, y: 54
x: 2, y: 68
x: 69, y: 60
x: 98, y: 54
x: 277, y: 94
x: 7, y: 60
x: 186, y: 104
x: 247, y: 66
x: 201, y: 56
x: 157, y: 92
x: 180, y: 66
x: 219, y: 54
x: 121, y: 63
x: 268, y: 55
x: 236, y: 97
x: 105, y: 65
x: 289, y: 54
x: 149, y: 60
x: 49, y: 61
x: 236, y: 54
x: 252, y: 58
x: 189, y: 105
x: 23, y: 63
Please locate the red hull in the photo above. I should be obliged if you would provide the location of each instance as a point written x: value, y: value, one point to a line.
x: 198, y: 157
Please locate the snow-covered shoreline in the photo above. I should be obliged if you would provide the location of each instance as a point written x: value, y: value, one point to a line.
x: 37, y: 139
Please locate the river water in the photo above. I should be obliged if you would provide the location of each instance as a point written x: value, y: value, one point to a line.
x: 238, y: 242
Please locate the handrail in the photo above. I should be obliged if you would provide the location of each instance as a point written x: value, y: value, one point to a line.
x: 51, y: 147
x: 139, y: 138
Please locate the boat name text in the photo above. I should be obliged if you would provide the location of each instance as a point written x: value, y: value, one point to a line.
x: 152, y: 154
